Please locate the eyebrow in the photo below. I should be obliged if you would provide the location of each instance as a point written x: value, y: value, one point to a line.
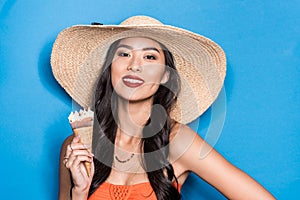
x: 144, y: 49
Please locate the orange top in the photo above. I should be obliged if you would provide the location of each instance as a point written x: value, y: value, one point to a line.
x: 108, y: 191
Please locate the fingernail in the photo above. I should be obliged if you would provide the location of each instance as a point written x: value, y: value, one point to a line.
x: 87, y: 145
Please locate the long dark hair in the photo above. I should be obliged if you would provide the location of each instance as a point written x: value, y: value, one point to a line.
x: 155, y: 145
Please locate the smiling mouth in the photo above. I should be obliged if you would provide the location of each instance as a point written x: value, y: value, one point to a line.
x: 132, y: 81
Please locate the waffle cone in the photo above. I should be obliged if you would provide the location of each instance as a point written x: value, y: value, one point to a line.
x: 86, y: 135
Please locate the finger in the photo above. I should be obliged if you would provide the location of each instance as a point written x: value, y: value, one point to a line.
x: 65, y: 160
x: 70, y: 147
x: 92, y: 169
x: 68, y: 151
x: 76, y: 139
x: 78, y: 162
x: 69, y: 161
x: 78, y: 146
x: 82, y: 152
x: 79, y: 159
x: 82, y: 164
x: 76, y: 153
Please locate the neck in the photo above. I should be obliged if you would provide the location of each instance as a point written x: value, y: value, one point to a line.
x: 132, y: 116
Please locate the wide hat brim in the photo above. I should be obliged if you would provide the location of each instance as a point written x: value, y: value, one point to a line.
x: 79, y: 51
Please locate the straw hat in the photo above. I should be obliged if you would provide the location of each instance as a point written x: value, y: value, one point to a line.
x: 79, y: 51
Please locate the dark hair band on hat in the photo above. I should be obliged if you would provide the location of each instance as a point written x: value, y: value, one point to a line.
x: 96, y: 23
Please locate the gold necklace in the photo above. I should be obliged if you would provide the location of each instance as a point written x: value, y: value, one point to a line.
x: 129, y: 158
x: 124, y: 161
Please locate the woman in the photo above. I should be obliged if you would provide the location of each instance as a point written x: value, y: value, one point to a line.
x: 142, y: 148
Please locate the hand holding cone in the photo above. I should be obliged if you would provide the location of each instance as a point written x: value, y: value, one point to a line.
x: 82, y: 125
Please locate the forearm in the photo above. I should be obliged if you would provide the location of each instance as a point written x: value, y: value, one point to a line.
x: 230, y: 180
x: 242, y: 186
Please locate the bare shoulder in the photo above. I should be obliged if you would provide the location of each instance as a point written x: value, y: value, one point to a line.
x: 179, y: 130
x: 184, y: 142
x: 181, y: 134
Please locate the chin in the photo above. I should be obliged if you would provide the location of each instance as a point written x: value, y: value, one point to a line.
x: 137, y: 95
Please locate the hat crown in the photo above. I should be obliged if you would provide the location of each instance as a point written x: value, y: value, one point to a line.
x: 140, y: 21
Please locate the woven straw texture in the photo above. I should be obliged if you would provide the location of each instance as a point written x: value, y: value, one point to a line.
x: 79, y: 51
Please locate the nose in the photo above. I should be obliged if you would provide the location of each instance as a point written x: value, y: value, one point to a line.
x: 135, y: 65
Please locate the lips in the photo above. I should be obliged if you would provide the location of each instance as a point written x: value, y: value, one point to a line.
x: 132, y: 81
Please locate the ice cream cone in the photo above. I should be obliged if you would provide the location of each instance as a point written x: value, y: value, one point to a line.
x: 82, y: 125
x: 86, y: 135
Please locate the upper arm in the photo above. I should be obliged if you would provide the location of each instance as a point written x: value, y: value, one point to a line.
x: 64, y: 174
x: 202, y: 159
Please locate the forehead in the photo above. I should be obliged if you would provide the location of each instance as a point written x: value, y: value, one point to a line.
x: 139, y: 42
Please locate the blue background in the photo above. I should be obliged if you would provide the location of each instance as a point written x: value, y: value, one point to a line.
x: 262, y: 127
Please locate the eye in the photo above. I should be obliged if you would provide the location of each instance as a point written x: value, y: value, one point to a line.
x: 123, y: 54
x: 150, y: 57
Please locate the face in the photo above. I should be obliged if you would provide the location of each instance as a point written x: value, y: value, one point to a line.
x: 138, y: 68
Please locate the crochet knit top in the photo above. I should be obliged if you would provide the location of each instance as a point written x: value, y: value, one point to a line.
x: 108, y: 191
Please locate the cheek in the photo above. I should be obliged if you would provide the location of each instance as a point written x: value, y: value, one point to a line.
x: 155, y: 74
x: 116, y: 74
